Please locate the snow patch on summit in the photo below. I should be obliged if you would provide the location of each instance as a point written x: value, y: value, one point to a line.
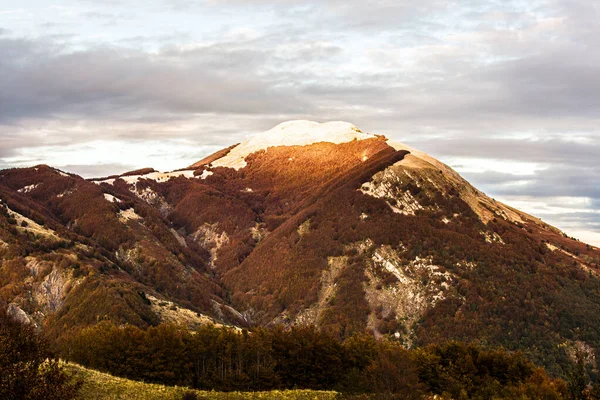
x: 292, y: 133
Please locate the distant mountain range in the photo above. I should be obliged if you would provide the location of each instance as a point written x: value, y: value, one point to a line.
x: 306, y: 223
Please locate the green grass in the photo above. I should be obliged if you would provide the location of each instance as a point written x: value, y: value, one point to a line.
x: 101, y: 386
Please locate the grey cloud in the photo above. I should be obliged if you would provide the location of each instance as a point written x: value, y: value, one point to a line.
x: 452, y: 90
x: 552, y: 151
x: 492, y: 178
x: 11, y: 141
x: 110, y: 82
x: 559, y: 83
x: 99, y: 170
x: 557, y: 181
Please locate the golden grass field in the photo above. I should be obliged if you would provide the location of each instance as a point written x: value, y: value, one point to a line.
x: 101, y: 386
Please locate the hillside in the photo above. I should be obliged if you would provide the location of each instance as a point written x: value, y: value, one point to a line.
x: 303, y: 224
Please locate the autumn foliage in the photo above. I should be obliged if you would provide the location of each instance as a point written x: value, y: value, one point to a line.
x: 27, y: 369
x: 264, y: 359
x: 282, y: 219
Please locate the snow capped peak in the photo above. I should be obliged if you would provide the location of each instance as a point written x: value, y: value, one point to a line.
x: 292, y: 133
x: 306, y: 132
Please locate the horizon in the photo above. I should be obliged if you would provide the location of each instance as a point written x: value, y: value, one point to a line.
x: 504, y: 94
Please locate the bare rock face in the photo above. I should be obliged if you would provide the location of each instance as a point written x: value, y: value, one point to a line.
x: 418, y: 286
x: 51, y: 292
x: 392, y: 187
x: 18, y: 314
x: 211, y: 240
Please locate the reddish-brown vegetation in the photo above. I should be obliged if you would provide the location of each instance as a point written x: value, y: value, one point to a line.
x: 259, y: 238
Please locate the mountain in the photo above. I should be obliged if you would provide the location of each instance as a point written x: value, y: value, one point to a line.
x: 306, y: 223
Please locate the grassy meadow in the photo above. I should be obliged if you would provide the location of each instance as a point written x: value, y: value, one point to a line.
x: 101, y: 386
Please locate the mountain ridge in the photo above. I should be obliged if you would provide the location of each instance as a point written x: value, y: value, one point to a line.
x: 364, y: 234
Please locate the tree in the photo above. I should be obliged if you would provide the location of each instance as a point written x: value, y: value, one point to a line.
x: 27, y: 369
x: 393, y: 372
x: 577, y: 379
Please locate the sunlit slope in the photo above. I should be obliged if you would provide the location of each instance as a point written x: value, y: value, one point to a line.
x: 304, y: 224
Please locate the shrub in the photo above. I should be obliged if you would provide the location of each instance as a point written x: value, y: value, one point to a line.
x: 27, y: 369
x: 189, y: 395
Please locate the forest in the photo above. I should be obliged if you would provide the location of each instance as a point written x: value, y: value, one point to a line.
x: 512, y: 305
x: 262, y: 359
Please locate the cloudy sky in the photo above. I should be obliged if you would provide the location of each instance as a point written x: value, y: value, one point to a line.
x: 506, y: 92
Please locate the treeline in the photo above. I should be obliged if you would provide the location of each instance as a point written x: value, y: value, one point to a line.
x: 305, y: 358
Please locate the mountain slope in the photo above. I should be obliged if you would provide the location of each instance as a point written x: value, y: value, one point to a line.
x: 75, y: 253
x: 304, y: 224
